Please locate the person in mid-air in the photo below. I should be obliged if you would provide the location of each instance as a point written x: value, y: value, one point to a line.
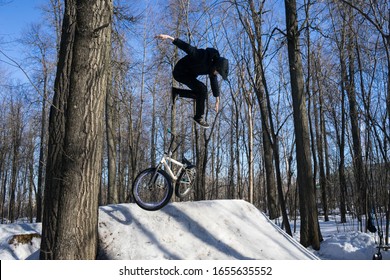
x: 197, y: 62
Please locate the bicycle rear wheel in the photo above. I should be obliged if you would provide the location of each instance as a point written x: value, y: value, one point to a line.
x: 185, y: 182
x: 152, y: 189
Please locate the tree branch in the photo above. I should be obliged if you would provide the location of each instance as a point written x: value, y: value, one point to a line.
x: 17, y: 65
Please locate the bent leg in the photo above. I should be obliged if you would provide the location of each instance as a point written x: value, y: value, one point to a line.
x: 185, y: 93
x: 198, y: 92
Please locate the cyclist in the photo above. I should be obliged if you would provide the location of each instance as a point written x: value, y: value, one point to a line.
x: 197, y: 62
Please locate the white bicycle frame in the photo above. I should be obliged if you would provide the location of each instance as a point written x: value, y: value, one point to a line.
x: 165, y: 162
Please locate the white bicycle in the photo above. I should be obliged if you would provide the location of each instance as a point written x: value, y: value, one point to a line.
x: 153, y: 187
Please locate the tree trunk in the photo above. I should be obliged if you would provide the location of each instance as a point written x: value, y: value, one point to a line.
x: 42, y: 150
x: 349, y: 81
x: 340, y: 130
x: 16, y: 136
x: 112, y: 188
x: 255, y: 37
x: 231, y: 186
x: 319, y: 136
x: 250, y: 149
x: 69, y: 229
x: 387, y: 221
x: 310, y: 231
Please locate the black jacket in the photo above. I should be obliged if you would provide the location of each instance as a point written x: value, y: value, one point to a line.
x: 198, y: 62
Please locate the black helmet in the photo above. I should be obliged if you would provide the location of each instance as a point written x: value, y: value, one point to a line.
x: 223, y: 67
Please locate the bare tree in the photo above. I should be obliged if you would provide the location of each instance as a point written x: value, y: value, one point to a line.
x: 111, y: 126
x: 259, y: 86
x: 122, y: 19
x: 375, y: 12
x: 40, y: 50
x: 69, y: 229
x: 348, y: 79
x: 3, y: 160
x: 310, y: 231
x: 339, y: 120
x: 16, y: 136
x: 319, y: 127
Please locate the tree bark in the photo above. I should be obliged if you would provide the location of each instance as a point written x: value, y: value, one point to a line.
x: 255, y: 37
x: 69, y: 229
x: 310, y: 231
x: 111, y: 127
x: 16, y: 136
x: 349, y: 81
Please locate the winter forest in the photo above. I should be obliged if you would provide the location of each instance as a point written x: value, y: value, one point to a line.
x: 303, y: 128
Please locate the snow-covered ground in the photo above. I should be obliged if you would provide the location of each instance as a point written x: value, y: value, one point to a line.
x: 216, y: 230
x: 206, y: 230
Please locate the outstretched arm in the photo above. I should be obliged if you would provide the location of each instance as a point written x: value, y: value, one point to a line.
x: 180, y: 44
x: 165, y: 37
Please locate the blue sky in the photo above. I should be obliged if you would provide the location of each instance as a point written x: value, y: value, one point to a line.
x: 15, y: 16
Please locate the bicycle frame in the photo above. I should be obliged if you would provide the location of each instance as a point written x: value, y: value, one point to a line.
x: 165, y: 162
x: 166, y: 159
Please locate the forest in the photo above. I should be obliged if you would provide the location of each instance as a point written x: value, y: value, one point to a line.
x: 303, y: 129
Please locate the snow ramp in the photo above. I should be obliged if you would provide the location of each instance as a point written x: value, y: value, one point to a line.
x: 204, y: 230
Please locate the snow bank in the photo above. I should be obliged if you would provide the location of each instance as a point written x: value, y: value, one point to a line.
x: 222, y: 229
x: 13, y: 248
x: 348, y: 246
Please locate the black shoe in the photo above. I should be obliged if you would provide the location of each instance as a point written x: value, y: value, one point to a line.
x: 201, y: 122
x: 174, y: 95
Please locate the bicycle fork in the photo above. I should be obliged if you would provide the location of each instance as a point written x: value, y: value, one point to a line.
x: 153, y: 178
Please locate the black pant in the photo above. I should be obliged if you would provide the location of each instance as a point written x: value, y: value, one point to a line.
x: 197, y: 91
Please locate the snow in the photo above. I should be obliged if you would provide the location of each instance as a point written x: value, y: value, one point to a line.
x: 204, y: 230
x: 18, y: 250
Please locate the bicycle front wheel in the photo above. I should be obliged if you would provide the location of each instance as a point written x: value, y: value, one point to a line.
x: 152, y: 189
